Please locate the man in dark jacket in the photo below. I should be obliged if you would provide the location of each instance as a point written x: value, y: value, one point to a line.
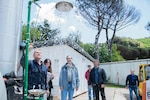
x: 97, y: 80
x: 132, y: 83
x: 37, y: 72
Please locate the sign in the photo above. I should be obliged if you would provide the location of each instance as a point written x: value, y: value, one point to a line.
x: 148, y: 90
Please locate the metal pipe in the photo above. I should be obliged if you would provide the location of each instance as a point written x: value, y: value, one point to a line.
x: 27, y: 51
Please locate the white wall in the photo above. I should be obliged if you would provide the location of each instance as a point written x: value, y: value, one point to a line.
x: 58, y: 54
x: 118, y: 71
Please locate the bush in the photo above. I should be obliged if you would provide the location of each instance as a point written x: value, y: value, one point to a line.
x: 134, y: 53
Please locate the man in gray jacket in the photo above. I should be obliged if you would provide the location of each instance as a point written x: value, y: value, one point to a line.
x: 68, y: 80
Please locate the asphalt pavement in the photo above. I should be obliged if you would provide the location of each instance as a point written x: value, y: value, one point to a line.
x: 111, y: 94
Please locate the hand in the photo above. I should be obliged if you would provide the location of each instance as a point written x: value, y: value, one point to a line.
x: 48, y: 93
x: 77, y: 89
x: 5, y: 79
x: 53, y: 76
x: 61, y: 88
x: 102, y: 85
x: 31, y: 46
x: 126, y: 87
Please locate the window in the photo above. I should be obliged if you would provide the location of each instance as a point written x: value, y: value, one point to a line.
x: 141, y: 78
x: 147, y: 72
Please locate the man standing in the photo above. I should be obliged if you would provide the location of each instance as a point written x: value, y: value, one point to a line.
x: 87, y: 75
x: 97, y: 79
x: 132, y: 83
x: 68, y: 80
x: 37, y: 73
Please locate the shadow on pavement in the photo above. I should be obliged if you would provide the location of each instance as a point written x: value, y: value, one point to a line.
x: 127, y: 96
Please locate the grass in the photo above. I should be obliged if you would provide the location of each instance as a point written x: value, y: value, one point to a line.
x: 144, y: 42
x: 114, y: 85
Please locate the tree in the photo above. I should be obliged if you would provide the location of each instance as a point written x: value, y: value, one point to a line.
x: 75, y: 36
x: 93, y: 11
x: 47, y: 33
x: 117, y: 18
x: 148, y: 26
x: 34, y: 32
x: 103, y: 51
x: 128, y: 42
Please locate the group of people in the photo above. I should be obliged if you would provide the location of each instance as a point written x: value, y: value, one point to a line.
x: 40, y: 73
x: 40, y: 76
x: 96, y: 78
x: 97, y: 84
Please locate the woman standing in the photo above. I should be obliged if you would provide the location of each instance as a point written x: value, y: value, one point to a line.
x: 50, y: 75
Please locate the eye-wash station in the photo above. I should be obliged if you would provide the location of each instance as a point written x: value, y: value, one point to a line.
x: 63, y: 6
x: 10, y: 38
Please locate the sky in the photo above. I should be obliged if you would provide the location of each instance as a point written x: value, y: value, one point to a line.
x: 72, y: 21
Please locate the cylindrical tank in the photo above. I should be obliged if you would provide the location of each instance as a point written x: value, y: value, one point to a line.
x: 10, y: 34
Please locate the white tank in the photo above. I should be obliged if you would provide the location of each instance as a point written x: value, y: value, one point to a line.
x: 10, y: 34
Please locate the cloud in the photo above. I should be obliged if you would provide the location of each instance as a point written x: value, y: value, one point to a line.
x: 48, y: 11
x: 72, y: 28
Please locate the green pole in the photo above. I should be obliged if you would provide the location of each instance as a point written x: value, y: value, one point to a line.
x: 27, y: 51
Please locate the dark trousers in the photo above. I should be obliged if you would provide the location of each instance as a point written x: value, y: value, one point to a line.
x: 97, y: 88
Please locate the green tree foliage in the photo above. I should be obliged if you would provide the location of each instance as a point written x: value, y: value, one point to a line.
x: 104, y: 54
x: 116, y: 54
x: 34, y: 32
x: 40, y: 32
x: 147, y: 27
x: 128, y: 42
x: 89, y: 48
x: 144, y: 42
x: 75, y: 36
x: 134, y: 53
x: 47, y: 33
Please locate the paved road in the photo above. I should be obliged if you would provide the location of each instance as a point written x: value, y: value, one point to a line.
x: 111, y: 94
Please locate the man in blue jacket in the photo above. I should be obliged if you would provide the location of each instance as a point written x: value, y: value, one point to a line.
x: 68, y: 80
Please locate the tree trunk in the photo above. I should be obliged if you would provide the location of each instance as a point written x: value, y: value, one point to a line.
x: 107, y: 39
x: 112, y: 39
x: 96, y: 53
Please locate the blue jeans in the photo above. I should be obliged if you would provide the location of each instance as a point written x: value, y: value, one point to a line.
x: 69, y: 92
x: 135, y: 89
x: 90, y: 93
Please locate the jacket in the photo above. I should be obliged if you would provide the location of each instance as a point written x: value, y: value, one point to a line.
x: 87, y: 75
x: 63, y: 79
x: 101, y: 76
x: 37, y: 75
x: 132, y: 80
